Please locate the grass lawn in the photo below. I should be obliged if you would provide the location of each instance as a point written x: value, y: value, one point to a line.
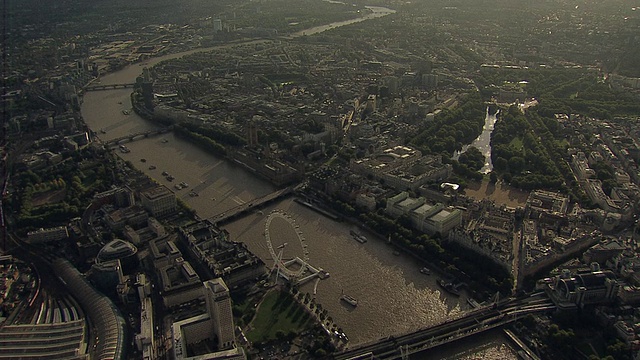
x: 516, y: 143
x: 587, y: 349
x: 49, y: 197
x: 278, y: 311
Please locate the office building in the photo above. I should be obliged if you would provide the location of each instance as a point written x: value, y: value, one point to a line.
x: 217, y: 323
x: 46, y: 235
x: 219, y: 308
x: 159, y: 201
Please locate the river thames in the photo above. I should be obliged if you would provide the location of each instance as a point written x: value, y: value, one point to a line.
x: 393, y: 296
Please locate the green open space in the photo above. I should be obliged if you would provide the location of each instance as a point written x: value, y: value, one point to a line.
x: 516, y: 144
x: 278, y: 315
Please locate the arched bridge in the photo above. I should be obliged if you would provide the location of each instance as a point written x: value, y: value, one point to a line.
x: 471, y: 323
x: 136, y: 136
x: 108, y: 87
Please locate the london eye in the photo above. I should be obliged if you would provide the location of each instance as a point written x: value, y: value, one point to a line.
x: 279, y: 264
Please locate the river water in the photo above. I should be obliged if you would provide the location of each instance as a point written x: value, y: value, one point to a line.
x: 393, y: 296
x: 376, y: 12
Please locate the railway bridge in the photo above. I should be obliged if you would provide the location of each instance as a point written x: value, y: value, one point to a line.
x: 471, y: 323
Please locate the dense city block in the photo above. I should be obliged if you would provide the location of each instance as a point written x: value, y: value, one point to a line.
x: 320, y: 179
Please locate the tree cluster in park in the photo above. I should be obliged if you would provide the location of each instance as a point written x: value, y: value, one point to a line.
x: 472, y: 158
x: 71, y: 184
x: 518, y: 154
x: 469, y: 163
x: 216, y: 134
x: 560, y: 337
x: 563, y: 91
x: 451, y: 129
x: 204, y: 142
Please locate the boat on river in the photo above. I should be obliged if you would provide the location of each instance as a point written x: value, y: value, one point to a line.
x: 449, y: 287
x: 359, y: 238
x: 474, y: 304
x: 425, y: 270
x: 349, y: 299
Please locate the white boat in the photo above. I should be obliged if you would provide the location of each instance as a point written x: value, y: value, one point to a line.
x: 359, y: 238
x: 425, y: 270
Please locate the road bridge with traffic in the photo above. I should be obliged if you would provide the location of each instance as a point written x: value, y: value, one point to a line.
x: 247, y: 208
x: 471, y: 323
x: 136, y: 136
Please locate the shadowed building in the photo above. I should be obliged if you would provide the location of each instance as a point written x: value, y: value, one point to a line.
x: 109, y: 325
x: 119, y: 250
x: 252, y: 133
x: 584, y: 288
x: 147, y: 89
x: 210, y: 335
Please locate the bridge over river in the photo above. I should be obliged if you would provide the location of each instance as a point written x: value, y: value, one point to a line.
x: 246, y: 208
x: 108, y: 87
x: 137, y: 136
x: 471, y: 323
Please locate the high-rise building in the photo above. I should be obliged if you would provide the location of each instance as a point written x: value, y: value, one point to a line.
x: 217, y: 322
x: 106, y: 276
x: 147, y: 89
x: 219, y: 308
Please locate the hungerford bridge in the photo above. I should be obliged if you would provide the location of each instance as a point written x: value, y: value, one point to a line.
x: 473, y: 322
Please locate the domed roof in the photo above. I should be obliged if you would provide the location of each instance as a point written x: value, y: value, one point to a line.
x: 116, y: 249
